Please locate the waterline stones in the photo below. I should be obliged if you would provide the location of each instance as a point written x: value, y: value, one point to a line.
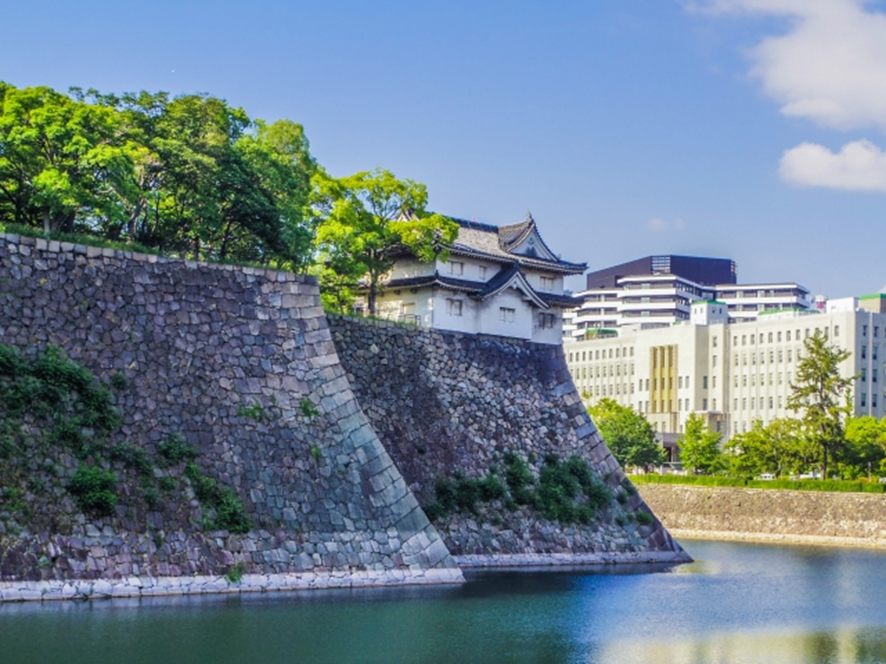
x: 44, y: 591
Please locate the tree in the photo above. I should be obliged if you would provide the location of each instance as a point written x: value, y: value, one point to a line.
x: 865, y: 438
x: 60, y: 157
x: 822, y: 395
x: 280, y: 153
x: 779, y: 447
x: 190, y: 175
x: 699, y: 446
x: 628, y: 434
x: 370, y: 218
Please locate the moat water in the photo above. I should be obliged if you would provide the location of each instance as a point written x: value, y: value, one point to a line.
x: 736, y: 603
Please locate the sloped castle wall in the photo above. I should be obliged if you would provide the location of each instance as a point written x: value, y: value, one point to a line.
x: 239, y: 363
x: 445, y: 403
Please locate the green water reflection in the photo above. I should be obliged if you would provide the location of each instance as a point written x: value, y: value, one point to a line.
x: 738, y: 603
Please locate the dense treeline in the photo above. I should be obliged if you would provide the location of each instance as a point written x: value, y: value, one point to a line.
x: 195, y: 177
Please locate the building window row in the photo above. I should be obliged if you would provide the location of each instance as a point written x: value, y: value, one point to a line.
x: 591, y: 355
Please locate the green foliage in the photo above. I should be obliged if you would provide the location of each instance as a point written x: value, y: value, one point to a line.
x: 152, y: 497
x: 50, y: 384
x: 560, y: 486
x: 308, y: 409
x: 190, y: 175
x: 820, y: 394
x: 174, y: 449
x: 12, y: 499
x: 519, y: 478
x: 76, y: 238
x: 628, y: 434
x: 230, y: 514
x: 781, y: 447
x: 316, y: 453
x: 94, y: 490
x: 69, y: 434
x: 119, y: 381
x: 59, y: 158
x: 134, y: 457
x: 75, y: 410
x: 793, y: 485
x: 462, y: 494
x: 699, y: 446
x: 256, y: 412
x: 568, y: 491
x: 643, y: 518
x: 863, y: 446
x: 365, y: 221
x: 236, y: 573
x: 701, y: 480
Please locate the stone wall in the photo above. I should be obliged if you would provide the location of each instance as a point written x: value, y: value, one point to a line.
x: 240, y: 364
x: 760, y: 514
x: 445, y: 403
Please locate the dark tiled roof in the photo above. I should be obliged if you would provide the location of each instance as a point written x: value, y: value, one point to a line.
x: 481, y: 290
x: 435, y: 280
x: 511, y: 236
x: 496, y: 243
x: 554, y: 299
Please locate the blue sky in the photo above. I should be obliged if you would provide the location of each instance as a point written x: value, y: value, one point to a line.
x: 750, y: 129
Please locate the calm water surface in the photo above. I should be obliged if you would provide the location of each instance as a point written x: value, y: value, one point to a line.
x: 737, y: 603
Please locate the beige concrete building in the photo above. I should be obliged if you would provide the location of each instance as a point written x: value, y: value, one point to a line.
x: 731, y: 373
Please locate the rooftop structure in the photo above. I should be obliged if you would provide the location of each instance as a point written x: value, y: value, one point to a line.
x: 658, y: 291
x: 703, y: 271
x: 497, y: 280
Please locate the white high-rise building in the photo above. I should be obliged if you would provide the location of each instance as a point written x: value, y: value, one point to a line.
x: 658, y: 291
x: 732, y: 373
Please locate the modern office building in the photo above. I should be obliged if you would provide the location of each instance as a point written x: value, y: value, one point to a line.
x: 658, y: 291
x: 732, y: 373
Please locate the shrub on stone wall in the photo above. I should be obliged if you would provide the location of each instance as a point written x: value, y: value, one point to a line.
x: 564, y: 491
x: 50, y: 404
x: 94, y: 490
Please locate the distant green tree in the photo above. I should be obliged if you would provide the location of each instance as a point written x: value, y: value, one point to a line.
x: 699, y: 446
x: 821, y: 395
x: 865, y: 439
x: 779, y: 447
x: 369, y: 219
x: 628, y: 434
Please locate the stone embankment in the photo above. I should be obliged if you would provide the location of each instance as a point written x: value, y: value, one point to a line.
x: 855, y: 519
x: 447, y: 404
x: 235, y: 366
x: 237, y: 409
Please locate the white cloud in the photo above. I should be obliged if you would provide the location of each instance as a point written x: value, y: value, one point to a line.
x: 830, y: 65
x: 859, y: 166
x: 658, y: 224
